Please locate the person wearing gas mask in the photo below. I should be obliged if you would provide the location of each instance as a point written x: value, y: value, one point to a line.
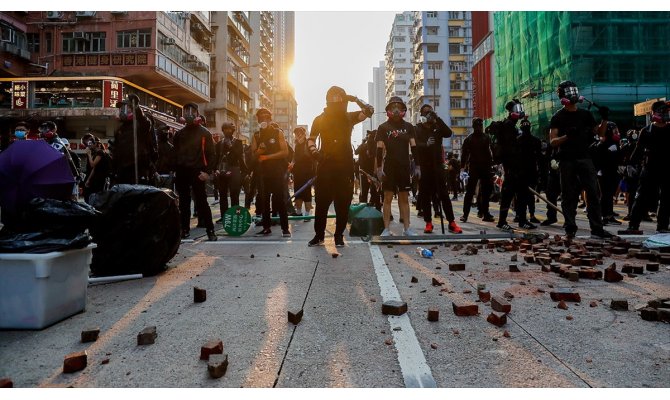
x: 335, y: 161
x: 48, y: 132
x: 229, y: 167
x: 607, y: 157
x: 515, y: 182
x: 366, y: 160
x: 100, y: 167
x: 124, y: 153
x: 195, y: 162
x: 392, y: 162
x: 531, y: 148
x: 304, y: 169
x: 477, y: 159
x: 429, y: 132
x: 271, y: 151
x: 651, y: 150
x: 571, y: 131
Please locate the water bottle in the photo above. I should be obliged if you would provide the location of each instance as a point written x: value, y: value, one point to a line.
x: 425, y: 253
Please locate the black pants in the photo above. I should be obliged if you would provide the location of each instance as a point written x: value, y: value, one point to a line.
x: 332, y: 186
x: 254, y: 191
x: 369, y: 188
x: 432, y: 183
x: 575, y: 176
x: 484, y: 177
x: 229, y: 183
x: 185, y: 180
x: 608, y: 184
x: 273, y: 185
x: 552, y: 191
x: 650, y: 184
x: 514, y: 187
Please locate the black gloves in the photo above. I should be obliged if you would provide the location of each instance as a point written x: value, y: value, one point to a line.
x: 604, y: 113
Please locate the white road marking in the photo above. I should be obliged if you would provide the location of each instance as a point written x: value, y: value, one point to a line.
x: 415, y: 370
x: 236, y: 242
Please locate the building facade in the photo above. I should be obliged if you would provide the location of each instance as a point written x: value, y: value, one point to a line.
x: 376, y: 97
x: 262, y: 66
x: 483, y: 79
x: 285, y: 105
x: 398, y: 74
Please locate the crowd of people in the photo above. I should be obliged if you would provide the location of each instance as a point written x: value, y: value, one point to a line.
x: 506, y: 162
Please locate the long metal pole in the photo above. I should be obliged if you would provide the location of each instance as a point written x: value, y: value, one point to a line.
x: 134, y: 105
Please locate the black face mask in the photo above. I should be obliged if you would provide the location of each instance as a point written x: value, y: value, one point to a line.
x: 337, y: 108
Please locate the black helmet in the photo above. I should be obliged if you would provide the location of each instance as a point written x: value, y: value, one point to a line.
x: 396, y: 99
x: 336, y: 95
x: 658, y: 107
x: 560, y: 90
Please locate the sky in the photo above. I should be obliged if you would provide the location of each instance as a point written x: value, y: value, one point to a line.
x: 336, y: 48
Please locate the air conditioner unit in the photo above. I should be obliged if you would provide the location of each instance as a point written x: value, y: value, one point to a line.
x: 201, y: 66
x: 54, y: 14
x: 191, y: 58
x: 169, y: 41
x: 84, y: 13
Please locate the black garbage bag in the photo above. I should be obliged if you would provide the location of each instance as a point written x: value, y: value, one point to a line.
x: 138, y: 231
x: 67, y: 217
x: 41, y: 242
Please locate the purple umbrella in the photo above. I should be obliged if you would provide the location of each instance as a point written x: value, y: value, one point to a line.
x: 32, y: 168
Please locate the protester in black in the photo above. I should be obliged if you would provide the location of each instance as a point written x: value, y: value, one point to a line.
x: 123, y: 152
x: 477, y: 159
x: 366, y: 160
x: 229, y: 166
x: 429, y: 132
x: 652, y: 150
x: 101, y: 165
x: 607, y: 159
x: 304, y: 169
x: 195, y: 162
x: 270, y: 149
x: 49, y: 132
x: 531, y: 149
x: 335, y: 169
x: 571, y: 131
x: 392, y: 162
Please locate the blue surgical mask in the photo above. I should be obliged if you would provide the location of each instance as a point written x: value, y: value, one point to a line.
x: 20, y: 134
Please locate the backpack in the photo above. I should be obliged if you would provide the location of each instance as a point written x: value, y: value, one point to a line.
x: 493, y: 130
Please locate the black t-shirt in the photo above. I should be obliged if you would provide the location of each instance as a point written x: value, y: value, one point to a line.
x: 396, y: 138
x: 335, y: 132
x: 652, y: 148
x: 581, y: 122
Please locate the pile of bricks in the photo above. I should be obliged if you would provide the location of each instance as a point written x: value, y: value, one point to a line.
x: 656, y: 310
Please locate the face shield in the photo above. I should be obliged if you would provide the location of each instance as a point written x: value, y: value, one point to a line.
x: 190, y: 114
x: 517, y: 111
x: 125, y: 112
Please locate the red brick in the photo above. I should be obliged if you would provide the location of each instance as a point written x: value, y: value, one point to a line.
x: 295, y: 318
x: 75, y: 362
x: 90, y: 335
x: 576, y: 262
x: 544, y: 260
x: 593, y: 304
x: 433, y: 315
x: 437, y: 282
x: 619, y: 250
x: 414, y: 279
x: 394, y: 307
x: 6, y: 383
x: 562, y: 305
x: 199, y: 295
x: 649, y: 314
x: 484, y: 295
x: 456, y: 267
x: 573, y: 276
x: 529, y: 258
x: 546, y: 268
x: 664, y: 315
x: 497, y: 319
x: 513, y: 268
x: 214, y: 346
x: 619, y: 304
x: 565, y: 295
x: 590, y: 273
x: 638, y: 269
x: 465, y: 309
x: 652, y: 267
x: 611, y: 275
x: 565, y: 258
x: 664, y: 258
x: 217, y: 365
x: 514, y: 258
x: 500, y: 304
x: 147, y: 336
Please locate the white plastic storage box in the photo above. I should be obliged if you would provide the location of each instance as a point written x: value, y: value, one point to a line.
x: 37, y: 290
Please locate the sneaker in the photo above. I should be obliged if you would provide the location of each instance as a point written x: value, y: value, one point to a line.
x: 581, y: 205
x: 316, y: 241
x: 488, y: 218
x: 264, y: 232
x: 631, y: 230
x: 286, y: 233
x: 307, y: 214
x: 428, y: 228
x: 548, y: 222
x: 454, y: 228
x: 611, y: 221
x: 339, y: 241
x: 570, y: 234
x: 386, y: 232
x: 505, y: 227
x: 409, y: 232
x: 211, y: 236
x: 603, y: 234
x: 527, y: 225
x: 533, y: 219
x: 464, y: 218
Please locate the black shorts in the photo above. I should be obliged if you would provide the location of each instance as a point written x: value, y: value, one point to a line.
x: 396, y: 179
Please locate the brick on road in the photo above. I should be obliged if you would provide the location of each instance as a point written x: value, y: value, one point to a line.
x: 75, y: 362
x: 214, y: 346
x: 147, y: 336
x: 619, y: 304
x: 457, y: 267
x: 484, y: 295
x: 611, y: 275
x: 199, y: 295
x: 90, y: 335
x: 433, y: 315
x: 217, y: 365
x: 465, y: 309
x: 394, y: 307
x: 497, y: 319
x: 500, y: 304
x: 295, y: 318
x: 6, y: 383
x: 565, y: 295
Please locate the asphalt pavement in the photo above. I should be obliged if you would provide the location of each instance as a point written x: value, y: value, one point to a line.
x: 343, y: 339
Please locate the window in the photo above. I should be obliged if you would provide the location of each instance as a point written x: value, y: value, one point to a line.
x: 454, y: 48
x: 433, y: 84
x: 7, y: 34
x: 435, y: 102
x: 455, y: 102
x: 455, y: 31
x: 431, y: 14
x: 48, y: 42
x: 400, y: 50
x: 134, y: 38
x: 398, y: 38
x: 432, y: 48
x: 34, y: 42
x: 457, y: 66
x: 455, y: 15
x: 401, y: 70
x: 456, y: 85
x: 401, y: 93
x: 436, y: 65
x: 400, y: 82
x: 83, y: 42
x: 98, y: 41
x: 432, y: 30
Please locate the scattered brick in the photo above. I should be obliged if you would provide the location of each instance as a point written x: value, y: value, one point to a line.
x: 497, y: 319
x: 664, y: 258
x: 252, y: 256
x: 437, y: 283
x: 147, y: 336
x: 663, y: 315
x: 335, y: 255
x: 75, y: 362
x: 465, y: 309
x: 565, y: 259
x: 562, y: 305
x: 467, y: 291
x: 506, y: 334
x: 556, y: 268
x: 199, y: 295
x: 638, y: 269
x: 619, y: 304
x: 513, y: 268
x: 514, y: 258
x: 414, y: 279
x: 6, y: 383
x: 544, y: 260
x: 90, y: 335
x: 217, y: 365
x: 500, y: 304
x: 649, y: 314
x: 569, y: 317
x: 565, y: 295
x: 529, y: 258
x: 388, y: 342
x: 593, y: 304
x: 433, y: 315
x: 484, y: 295
x: 546, y: 268
x: 433, y: 346
x: 394, y: 307
x: 104, y: 361
x: 590, y: 273
x: 214, y: 346
x: 508, y: 295
x: 589, y: 262
x: 295, y: 318
x: 456, y: 267
x: 611, y: 275
x: 644, y: 255
x: 627, y: 269
x: 652, y: 267
x: 573, y: 276
x: 540, y: 290
x: 619, y: 250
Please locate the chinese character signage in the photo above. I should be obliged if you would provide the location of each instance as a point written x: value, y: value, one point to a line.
x: 236, y: 220
x: 112, y: 92
x: 19, y: 95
